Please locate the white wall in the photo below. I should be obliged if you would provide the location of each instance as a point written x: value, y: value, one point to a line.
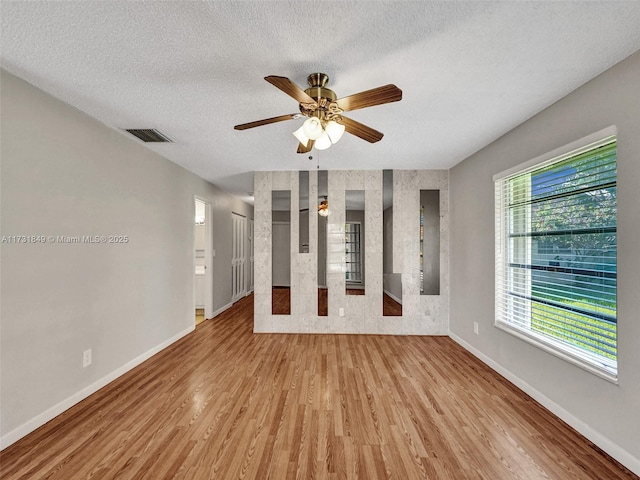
x: 606, y: 413
x: 64, y: 173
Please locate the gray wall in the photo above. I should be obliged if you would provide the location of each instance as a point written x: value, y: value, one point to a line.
x: 430, y: 200
x: 391, y: 282
x: 607, y: 413
x: 281, y: 271
x: 64, y: 173
x: 303, y: 237
x: 387, y: 240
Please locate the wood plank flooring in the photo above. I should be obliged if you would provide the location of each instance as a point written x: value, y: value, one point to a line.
x: 281, y: 302
x: 225, y: 403
x: 199, y: 316
x: 390, y: 308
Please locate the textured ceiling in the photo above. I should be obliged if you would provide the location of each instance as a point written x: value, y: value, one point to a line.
x: 470, y: 71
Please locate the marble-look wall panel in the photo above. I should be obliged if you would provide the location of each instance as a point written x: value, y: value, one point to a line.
x: 309, y: 262
x: 422, y: 314
x: 296, y: 288
x: 262, y: 252
x: 398, y: 233
x: 313, y: 216
x: 435, y: 308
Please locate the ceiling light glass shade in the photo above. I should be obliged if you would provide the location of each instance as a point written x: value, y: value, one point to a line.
x: 323, y: 142
x: 302, y: 138
x: 312, y: 128
x: 334, y: 130
x: 323, y: 209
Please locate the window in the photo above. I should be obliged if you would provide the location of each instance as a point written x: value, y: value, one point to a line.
x: 556, y: 253
x: 352, y: 249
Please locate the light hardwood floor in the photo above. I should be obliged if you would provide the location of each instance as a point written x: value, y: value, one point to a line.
x: 281, y: 302
x: 226, y: 403
x: 199, y: 316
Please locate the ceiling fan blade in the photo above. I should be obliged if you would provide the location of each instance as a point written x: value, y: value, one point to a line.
x: 266, y: 121
x: 290, y: 88
x: 307, y: 149
x: 376, y: 96
x: 360, y: 130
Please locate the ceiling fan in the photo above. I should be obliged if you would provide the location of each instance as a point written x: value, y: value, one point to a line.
x: 325, y: 123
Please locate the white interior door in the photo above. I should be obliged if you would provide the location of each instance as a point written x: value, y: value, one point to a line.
x: 239, y: 257
x: 250, y: 269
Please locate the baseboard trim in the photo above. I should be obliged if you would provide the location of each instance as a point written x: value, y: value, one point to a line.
x: 393, y: 297
x: 222, y: 309
x: 611, y: 448
x: 49, y: 414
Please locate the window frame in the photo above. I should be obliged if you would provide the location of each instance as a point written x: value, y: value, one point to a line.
x: 558, y: 348
x: 358, y: 261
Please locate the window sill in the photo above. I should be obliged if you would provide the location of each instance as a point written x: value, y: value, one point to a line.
x: 601, y: 371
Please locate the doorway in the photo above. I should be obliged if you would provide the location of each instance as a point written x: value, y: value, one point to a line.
x: 239, y: 257
x: 202, y: 261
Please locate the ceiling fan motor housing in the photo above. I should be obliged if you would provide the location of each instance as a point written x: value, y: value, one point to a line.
x: 325, y: 98
x: 319, y: 102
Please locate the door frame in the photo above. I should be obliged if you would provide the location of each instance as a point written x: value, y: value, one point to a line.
x: 208, y: 256
x: 238, y: 255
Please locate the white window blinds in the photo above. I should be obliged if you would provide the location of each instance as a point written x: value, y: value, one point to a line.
x: 556, y: 252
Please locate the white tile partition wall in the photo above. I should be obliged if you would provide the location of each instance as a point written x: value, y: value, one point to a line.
x: 421, y: 314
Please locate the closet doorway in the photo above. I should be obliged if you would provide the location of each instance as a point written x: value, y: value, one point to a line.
x: 203, y: 267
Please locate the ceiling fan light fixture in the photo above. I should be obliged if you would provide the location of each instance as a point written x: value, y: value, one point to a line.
x: 323, y: 208
x: 312, y: 128
x: 323, y: 111
x: 302, y: 138
x: 323, y: 141
x: 334, y: 130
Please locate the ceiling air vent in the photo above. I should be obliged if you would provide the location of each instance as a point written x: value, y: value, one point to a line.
x: 149, y: 135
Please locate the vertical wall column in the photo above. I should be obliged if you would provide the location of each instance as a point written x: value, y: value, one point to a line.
x: 335, y: 246
x: 262, y: 301
x: 374, y: 240
x: 304, y: 288
x: 427, y: 314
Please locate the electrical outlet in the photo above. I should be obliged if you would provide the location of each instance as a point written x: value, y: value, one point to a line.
x: 341, y: 312
x: 86, y: 358
x: 475, y: 328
